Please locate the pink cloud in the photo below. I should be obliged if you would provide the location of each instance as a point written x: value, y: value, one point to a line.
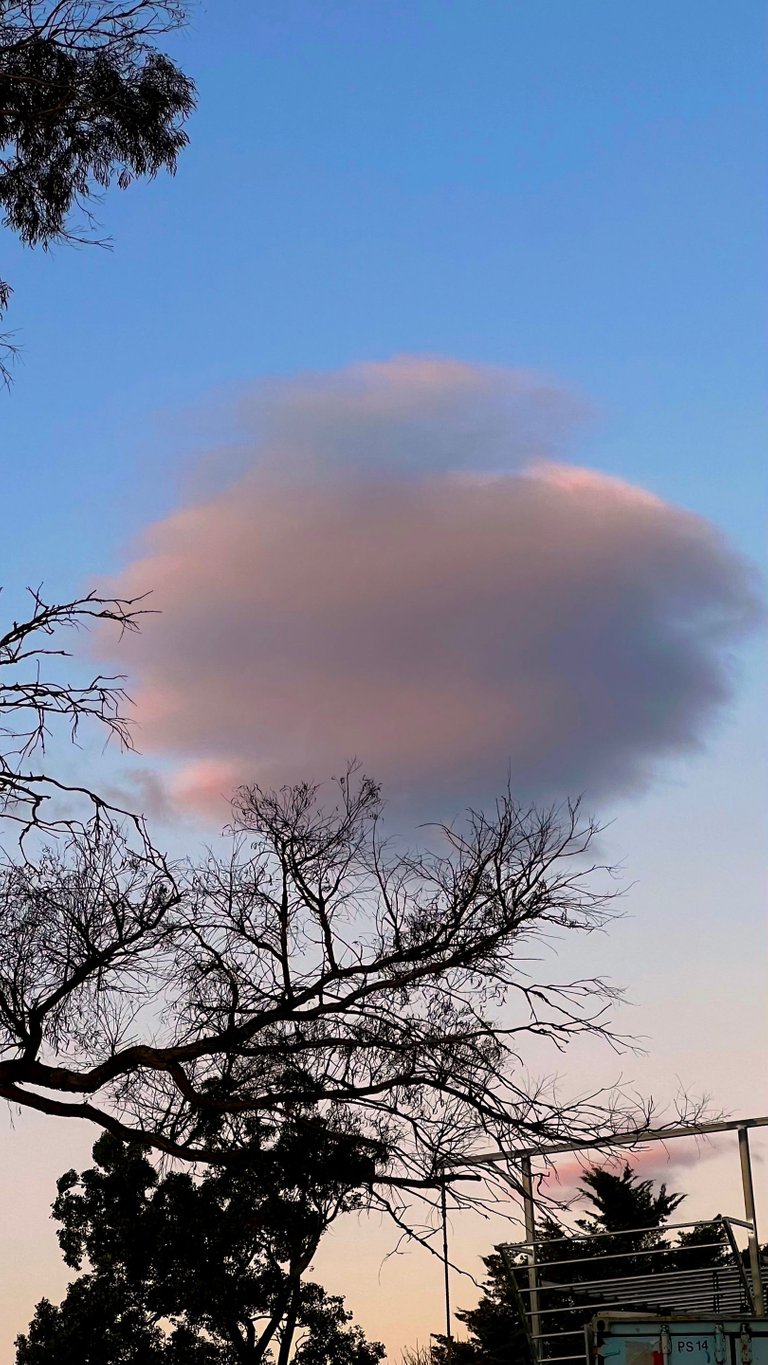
x: 661, y: 1162
x: 204, y: 785
x: 401, y: 572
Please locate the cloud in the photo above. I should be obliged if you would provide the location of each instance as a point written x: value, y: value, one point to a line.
x: 402, y: 571
x: 660, y: 1162
x: 406, y: 417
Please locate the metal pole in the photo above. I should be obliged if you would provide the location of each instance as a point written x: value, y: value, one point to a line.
x: 631, y: 1139
x: 758, y: 1298
x: 446, y: 1273
x: 529, y: 1210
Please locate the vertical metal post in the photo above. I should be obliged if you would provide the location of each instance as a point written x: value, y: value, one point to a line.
x: 758, y: 1298
x: 529, y: 1210
x: 446, y: 1272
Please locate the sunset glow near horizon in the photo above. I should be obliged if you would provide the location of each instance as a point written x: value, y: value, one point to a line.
x: 428, y: 402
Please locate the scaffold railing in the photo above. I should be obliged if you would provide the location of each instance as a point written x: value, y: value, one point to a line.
x: 558, y: 1294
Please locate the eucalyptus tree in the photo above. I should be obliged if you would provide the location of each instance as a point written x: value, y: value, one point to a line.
x: 87, y: 98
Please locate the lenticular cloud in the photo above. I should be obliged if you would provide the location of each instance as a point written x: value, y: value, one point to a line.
x: 402, y: 572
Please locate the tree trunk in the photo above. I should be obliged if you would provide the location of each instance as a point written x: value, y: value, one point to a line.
x: 290, y: 1321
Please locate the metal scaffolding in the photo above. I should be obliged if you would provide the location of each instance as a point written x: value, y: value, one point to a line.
x: 724, y: 1289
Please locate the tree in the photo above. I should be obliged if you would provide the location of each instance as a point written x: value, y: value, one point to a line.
x: 92, y: 1328
x: 316, y: 965
x: 86, y: 99
x: 208, y: 1271
x: 329, y: 1339
x: 621, y: 1204
x: 34, y: 698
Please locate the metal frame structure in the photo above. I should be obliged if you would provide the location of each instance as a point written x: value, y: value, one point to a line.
x: 574, y: 1288
x: 637, y: 1138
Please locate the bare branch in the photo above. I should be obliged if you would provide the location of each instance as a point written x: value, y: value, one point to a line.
x: 33, y: 699
x: 318, y: 966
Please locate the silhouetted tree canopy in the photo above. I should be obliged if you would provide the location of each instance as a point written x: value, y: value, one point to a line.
x: 207, y: 1272
x: 86, y: 98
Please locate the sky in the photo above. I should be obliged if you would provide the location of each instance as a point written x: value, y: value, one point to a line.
x: 432, y: 389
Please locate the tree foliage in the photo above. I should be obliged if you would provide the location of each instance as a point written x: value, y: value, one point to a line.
x: 210, y: 1271
x: 86, y: 98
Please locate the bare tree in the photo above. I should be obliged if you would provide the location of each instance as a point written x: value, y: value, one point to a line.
x: 417, y: 1355
x: 316, y: 965
x: 34, y: 697
x: 85, y: 98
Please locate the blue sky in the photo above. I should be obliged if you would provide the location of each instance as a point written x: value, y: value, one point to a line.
x: 575, y: 187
